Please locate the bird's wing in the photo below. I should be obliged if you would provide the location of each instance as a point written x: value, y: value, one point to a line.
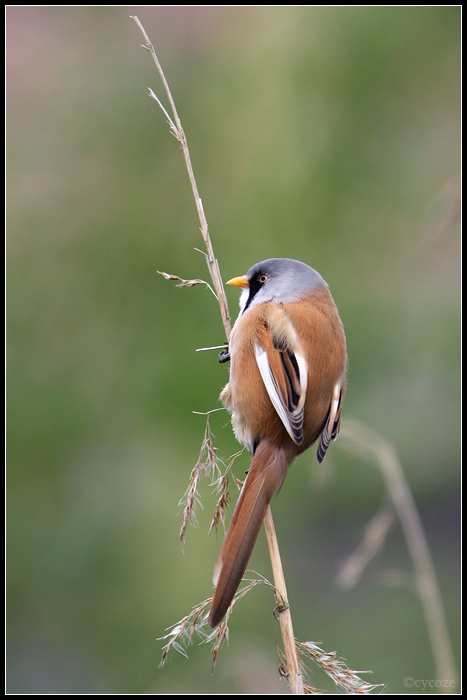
x: 331, y: 429
x: 284, y: 370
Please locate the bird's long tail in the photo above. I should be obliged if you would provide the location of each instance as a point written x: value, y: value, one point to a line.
x: 264, y: 480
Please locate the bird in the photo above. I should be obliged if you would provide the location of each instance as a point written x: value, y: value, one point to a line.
x: 288, y: 357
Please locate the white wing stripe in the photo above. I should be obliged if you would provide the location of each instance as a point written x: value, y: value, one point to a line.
x: 295, y: 419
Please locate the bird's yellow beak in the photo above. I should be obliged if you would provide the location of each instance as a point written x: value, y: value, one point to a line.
x: 239, y: 281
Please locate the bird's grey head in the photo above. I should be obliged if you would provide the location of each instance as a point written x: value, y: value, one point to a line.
x: 278, y: 279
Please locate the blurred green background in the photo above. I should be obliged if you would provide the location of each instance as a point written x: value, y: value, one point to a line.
x: 327, y: 134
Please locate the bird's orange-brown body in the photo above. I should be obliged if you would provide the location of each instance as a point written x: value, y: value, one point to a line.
x: 287, y: 379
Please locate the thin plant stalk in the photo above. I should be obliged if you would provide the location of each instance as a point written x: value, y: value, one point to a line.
x: 294, y: 675
x: 177, y: 130
x: 368, y: 442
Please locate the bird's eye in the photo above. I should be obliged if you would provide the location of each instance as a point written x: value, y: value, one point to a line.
x: 263, y: 278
